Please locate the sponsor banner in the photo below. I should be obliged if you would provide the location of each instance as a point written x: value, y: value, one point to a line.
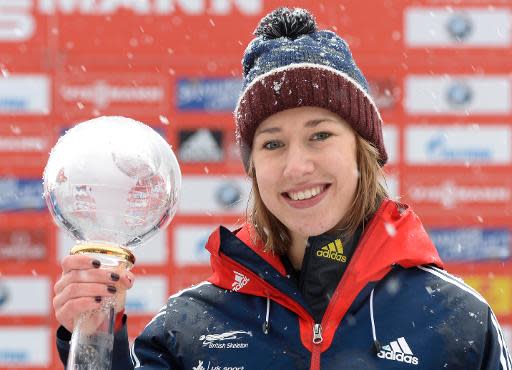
x: 25, y: 94
x: 23, y: 347
x: 21, y: 29
x: 24, y: 296
x: 16, y: 25
x: 392, y: 143
x: 471, y: 243
x: 462, y: 192
x: 496, y: 289
x: 208, y: 195
x: 147, y: 296
x: 458, y: 94
x: 189, y: 244
x: 25, y: 144
x: 465, y: 145
x: 210, y: 95
x: 165, y: 27
x: 23, y: 244
x: 458, y: 27
x: 145, y: 7
x: 146, y: 26
x: 92, y: 93
x: 21, y: 194
x: 200, y: 145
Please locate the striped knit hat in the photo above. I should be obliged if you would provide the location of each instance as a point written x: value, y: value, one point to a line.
x: 292, y: 64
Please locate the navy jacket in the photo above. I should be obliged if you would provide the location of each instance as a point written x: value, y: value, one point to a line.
x: 394, y: 308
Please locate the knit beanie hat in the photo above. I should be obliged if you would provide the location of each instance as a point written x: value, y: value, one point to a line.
x: 292, y: 64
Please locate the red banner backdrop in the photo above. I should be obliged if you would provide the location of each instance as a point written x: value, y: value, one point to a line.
x: 432, y: 65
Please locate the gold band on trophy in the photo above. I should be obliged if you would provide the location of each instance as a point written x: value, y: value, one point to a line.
x: 121, y: 253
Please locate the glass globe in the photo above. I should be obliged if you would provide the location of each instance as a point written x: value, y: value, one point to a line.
x: 112, y: 180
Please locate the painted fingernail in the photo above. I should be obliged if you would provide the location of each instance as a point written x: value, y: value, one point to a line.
x: 96, y: 264
x: 114, y: 276
x: 97, y: 299
x: 112, y: 289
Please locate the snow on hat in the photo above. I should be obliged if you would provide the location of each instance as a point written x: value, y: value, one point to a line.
x: 292, y: 64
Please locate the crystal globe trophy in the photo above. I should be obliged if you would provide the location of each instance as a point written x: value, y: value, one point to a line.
x: 112, y: 183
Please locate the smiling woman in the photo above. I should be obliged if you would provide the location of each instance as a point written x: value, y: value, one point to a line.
x: 303, y: 161
x: 327, y: 272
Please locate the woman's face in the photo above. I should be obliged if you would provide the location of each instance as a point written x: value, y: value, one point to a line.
x: 306, y: 168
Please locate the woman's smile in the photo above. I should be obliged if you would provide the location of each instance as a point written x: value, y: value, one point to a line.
x: 306, y: 198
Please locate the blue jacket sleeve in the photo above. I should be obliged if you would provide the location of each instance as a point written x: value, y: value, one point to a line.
x: 496, y: 355
x: 154, y: 348
x: 120, y: 356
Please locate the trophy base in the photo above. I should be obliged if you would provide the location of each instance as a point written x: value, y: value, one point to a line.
x: 110, y: 250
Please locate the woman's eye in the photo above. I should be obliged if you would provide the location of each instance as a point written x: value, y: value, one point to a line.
x: 321, y: 135
x: 271, y: 145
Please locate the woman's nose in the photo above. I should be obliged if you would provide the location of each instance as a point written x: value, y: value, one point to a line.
x: 298, y: 162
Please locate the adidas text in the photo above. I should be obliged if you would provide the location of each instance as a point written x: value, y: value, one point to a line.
x: 331, y: 255
x: 333, y: 251
x: 398, y: 350
x: 400, y: 357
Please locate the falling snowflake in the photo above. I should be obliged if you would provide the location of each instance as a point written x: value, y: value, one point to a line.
x: 163, y: 119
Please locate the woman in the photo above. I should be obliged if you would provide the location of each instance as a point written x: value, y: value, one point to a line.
x: 328, y: 272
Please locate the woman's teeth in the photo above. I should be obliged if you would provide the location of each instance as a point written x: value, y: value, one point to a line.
x: 306, y: 194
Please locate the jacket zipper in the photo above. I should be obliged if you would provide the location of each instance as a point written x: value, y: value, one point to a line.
x: 317, y: 341
x: 334, y: 299
x: 317, y: 334
x: 317, y: 338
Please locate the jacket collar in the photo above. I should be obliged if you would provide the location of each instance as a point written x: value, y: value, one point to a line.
x: 394, y: 236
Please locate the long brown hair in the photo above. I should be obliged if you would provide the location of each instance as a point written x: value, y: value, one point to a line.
x: 369, y: 194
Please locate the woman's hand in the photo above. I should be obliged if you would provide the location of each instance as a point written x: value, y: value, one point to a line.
x: 84, y: 285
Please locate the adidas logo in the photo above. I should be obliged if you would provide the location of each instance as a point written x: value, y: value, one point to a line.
x: 398, y: 350
x: 240, y: 281
x: 333, y: 251
x: 201, y: 147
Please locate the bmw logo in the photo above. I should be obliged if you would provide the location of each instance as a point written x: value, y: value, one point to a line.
x: 459, y: 94
x: 459, y: 27
x: 228, y: 195
x: 436, y: 144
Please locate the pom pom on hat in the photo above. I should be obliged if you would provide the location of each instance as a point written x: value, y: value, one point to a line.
x: 292, y: 64
x: 285, y: 22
